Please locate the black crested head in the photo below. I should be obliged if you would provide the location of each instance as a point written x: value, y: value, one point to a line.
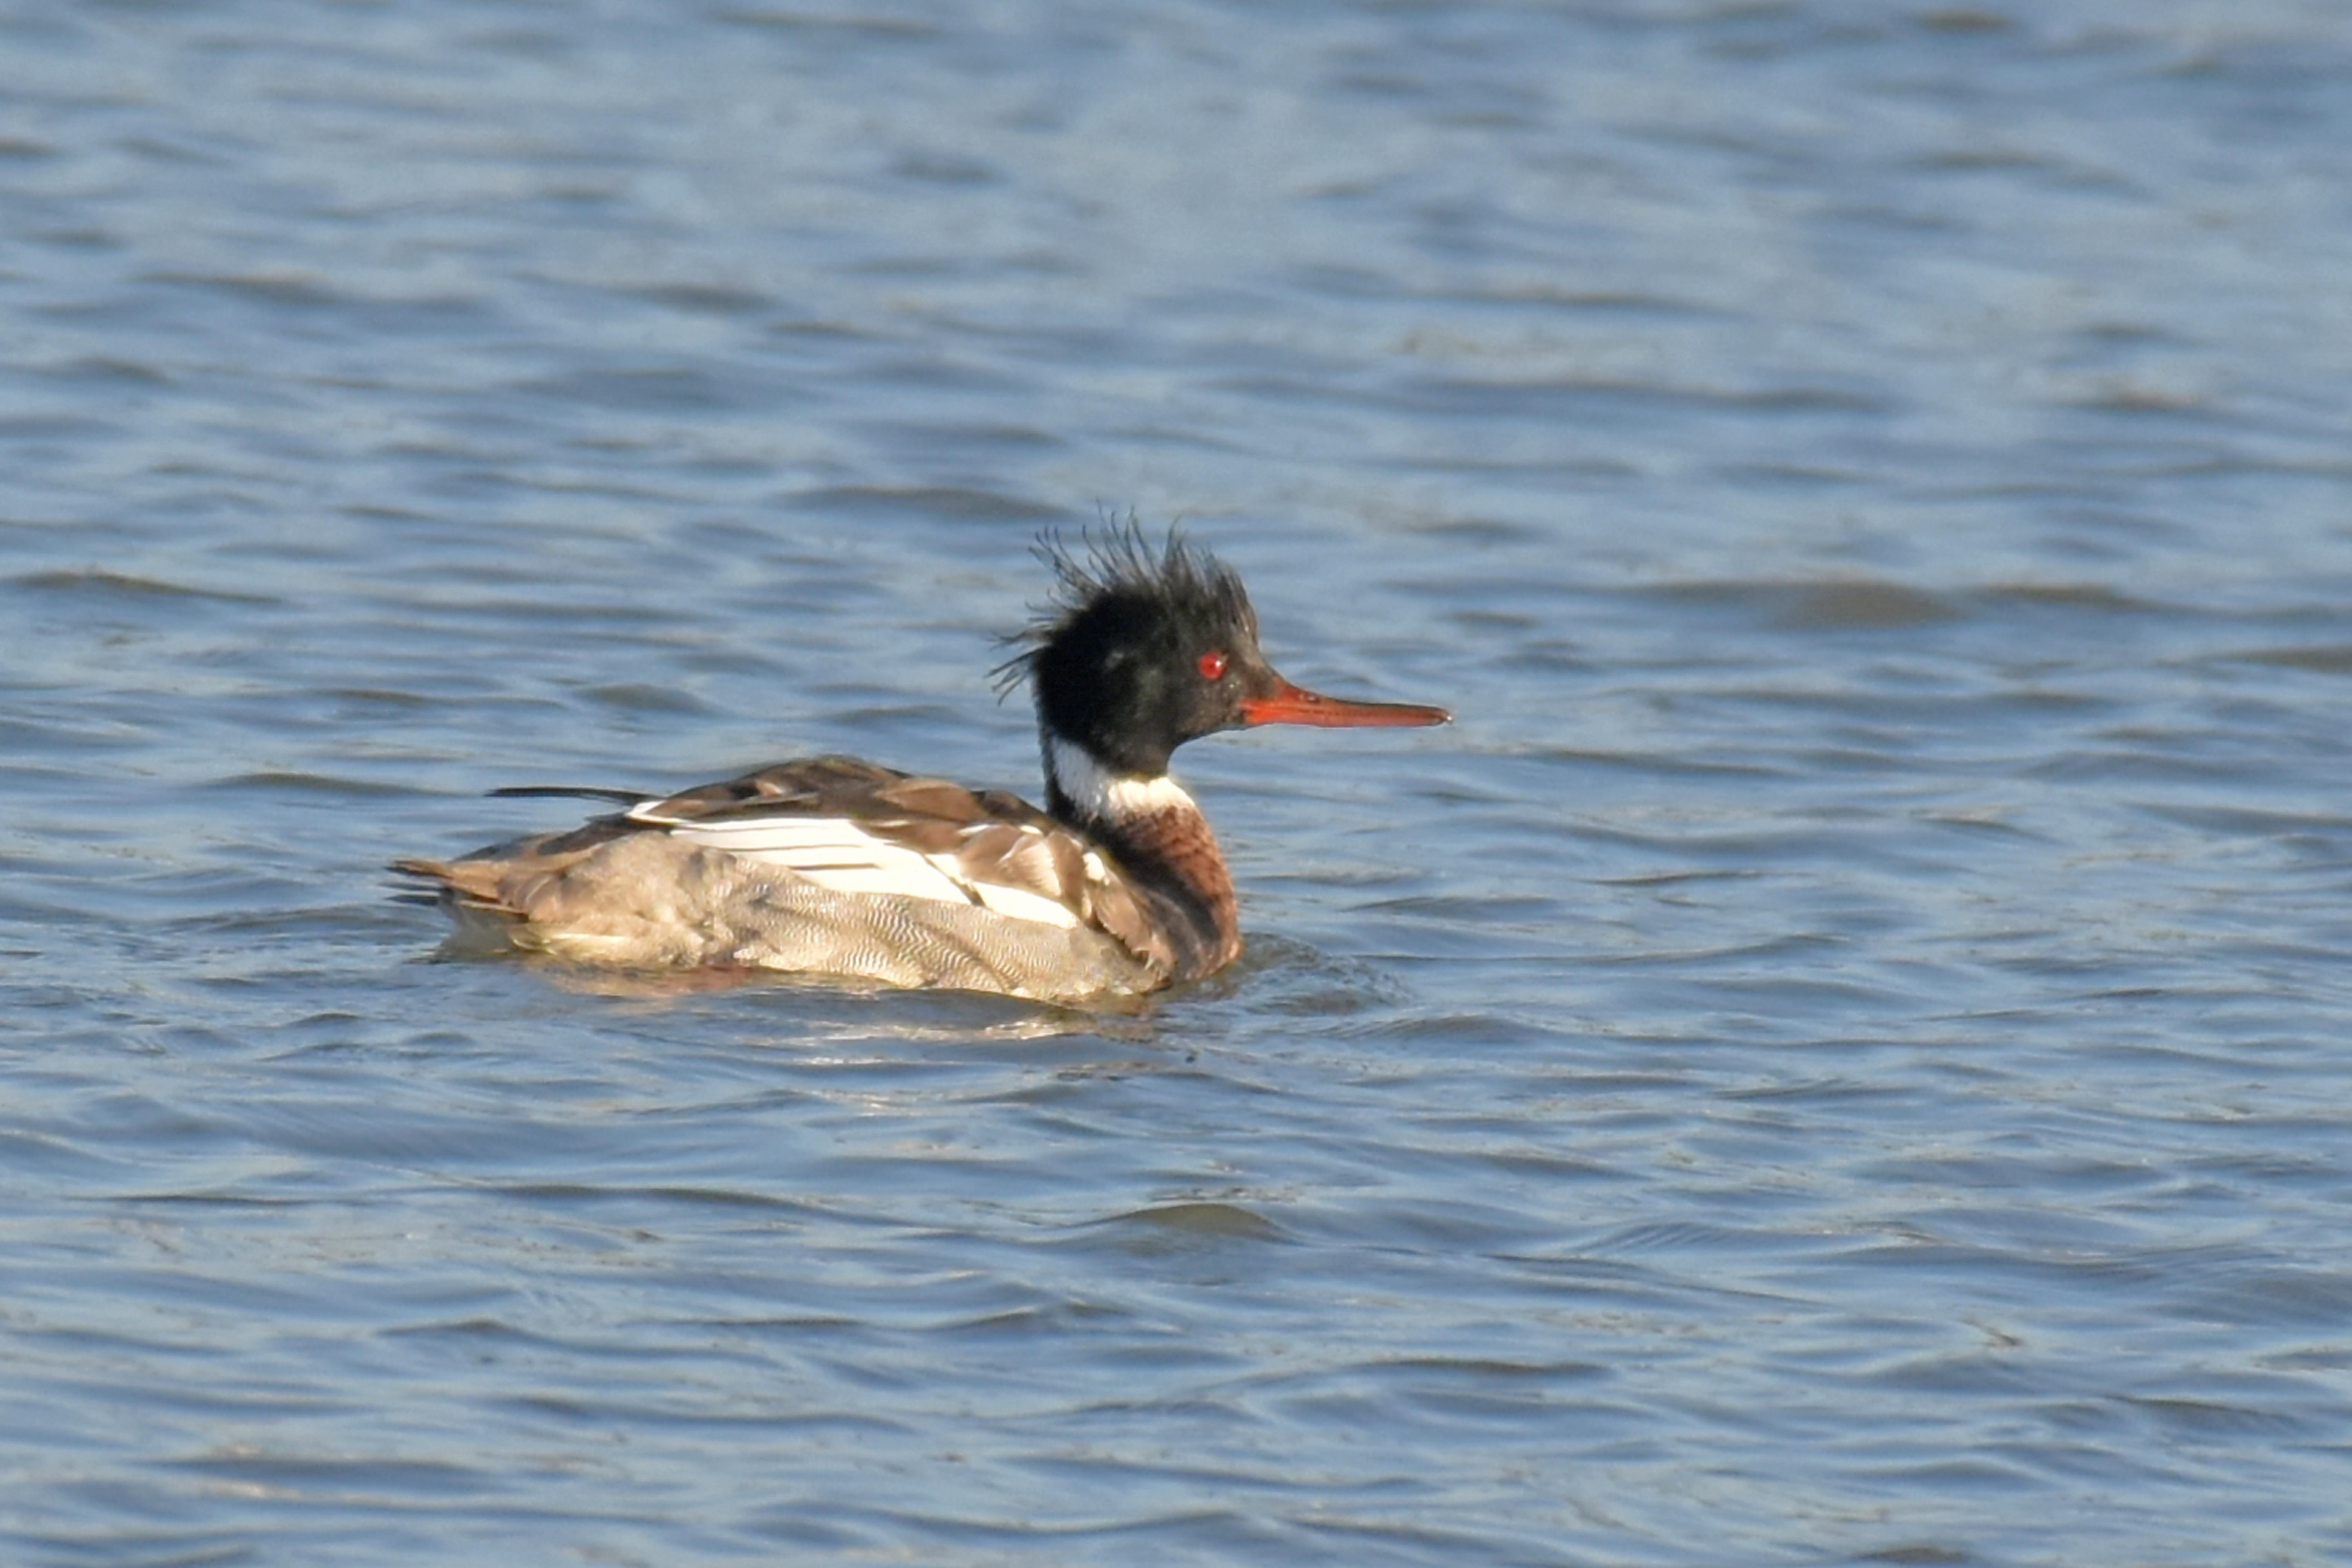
x: 1140, y: 649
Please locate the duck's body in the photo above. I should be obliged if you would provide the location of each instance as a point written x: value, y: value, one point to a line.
x: 837, y: 868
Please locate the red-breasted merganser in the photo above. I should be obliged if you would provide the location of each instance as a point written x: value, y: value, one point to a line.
x: 836, y: 867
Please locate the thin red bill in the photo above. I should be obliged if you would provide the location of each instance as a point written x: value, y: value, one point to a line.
x: 1288, y: 704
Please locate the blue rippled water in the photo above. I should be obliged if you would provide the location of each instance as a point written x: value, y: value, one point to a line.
x: 1838, y: 1056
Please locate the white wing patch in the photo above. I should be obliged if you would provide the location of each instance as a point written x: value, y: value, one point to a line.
x: 1020, y: 904
x: 837, y: 853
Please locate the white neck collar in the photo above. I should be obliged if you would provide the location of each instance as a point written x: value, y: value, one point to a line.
x: 1097, y: 794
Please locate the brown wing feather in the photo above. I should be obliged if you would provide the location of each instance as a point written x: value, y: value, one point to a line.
x: 1119, y: 909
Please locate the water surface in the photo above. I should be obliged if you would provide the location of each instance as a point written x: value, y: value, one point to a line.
x: 1836, y: 1057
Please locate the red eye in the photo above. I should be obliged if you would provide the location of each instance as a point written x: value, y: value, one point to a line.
x: 1213, y: 666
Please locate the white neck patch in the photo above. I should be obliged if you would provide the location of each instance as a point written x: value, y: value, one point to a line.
x: 1102, y: 796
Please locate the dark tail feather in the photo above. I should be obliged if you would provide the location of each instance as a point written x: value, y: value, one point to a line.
x: 573, y: 791
x: 412, y: 871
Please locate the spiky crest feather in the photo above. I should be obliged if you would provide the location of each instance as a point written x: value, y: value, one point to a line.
x: 1122, y: 561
